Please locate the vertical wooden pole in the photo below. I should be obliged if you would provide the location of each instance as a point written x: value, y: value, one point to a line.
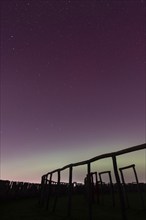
x: 122, y: 202
x: 138, y: 187
x: 97, y: 188
x: 45, y: 190
x: 89, y: 190
x: 70, y: 192
x: 49, y: 191
x: 124, y: 187
x: 101, y: 189
x: 112, y: 189
x: 41, y: 191
x: 57, y: 191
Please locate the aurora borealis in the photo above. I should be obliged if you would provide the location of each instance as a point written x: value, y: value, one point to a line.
x: 72, y: 83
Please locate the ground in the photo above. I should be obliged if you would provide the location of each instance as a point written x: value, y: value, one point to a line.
x: 29, y: 209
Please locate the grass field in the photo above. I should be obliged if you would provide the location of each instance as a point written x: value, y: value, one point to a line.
x: 29, y: 209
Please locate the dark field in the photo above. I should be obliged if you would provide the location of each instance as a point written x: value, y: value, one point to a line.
x: 29, y: 209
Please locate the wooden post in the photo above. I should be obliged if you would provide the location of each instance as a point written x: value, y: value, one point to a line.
x: 101, y: 189
x: 124, y: 187
x: 70, y: 192
x: 112, y: 189
x: 41, y: 192
x: 122, y: 201
x: 89, y: 190
x: 49, y: 191
x: 97, y: 188
x: 58, y: 191
x: 45, y: 190
x: 138, y: 187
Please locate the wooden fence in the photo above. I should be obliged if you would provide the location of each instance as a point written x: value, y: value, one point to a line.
x: 16, y: 190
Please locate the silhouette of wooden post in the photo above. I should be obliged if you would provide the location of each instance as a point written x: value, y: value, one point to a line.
x: 112, y: 189
x: 97, y: 188
x: 124, y: 187
x: 101, y: 188
x: 58, y: 191
x: 49, y: 191
x: 124, y: 184
x: 41, y: 199
x: 89, y: 189
x: 94, y: 187
x: 138, y: 187
x: 122, y: 202
x: 44, y: 189
x: 111, y: 184
x: 70, y: 191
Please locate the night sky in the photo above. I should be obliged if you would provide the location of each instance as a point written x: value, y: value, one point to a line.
x: 72, y: 83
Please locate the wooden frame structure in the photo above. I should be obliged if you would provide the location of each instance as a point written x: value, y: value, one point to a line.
x: 45, y: 201
x: 111, y: 184
x: 137, y: 183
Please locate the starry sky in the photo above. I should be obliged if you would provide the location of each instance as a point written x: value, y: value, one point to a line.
x: 72, y: 83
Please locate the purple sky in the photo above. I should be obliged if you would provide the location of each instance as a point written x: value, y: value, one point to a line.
x: 72, y: 82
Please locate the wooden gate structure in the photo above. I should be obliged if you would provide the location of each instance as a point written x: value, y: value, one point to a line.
x: 47, y: 183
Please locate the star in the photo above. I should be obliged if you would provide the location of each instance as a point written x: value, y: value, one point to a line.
x: 28, y: 3
x: 11, y: 37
